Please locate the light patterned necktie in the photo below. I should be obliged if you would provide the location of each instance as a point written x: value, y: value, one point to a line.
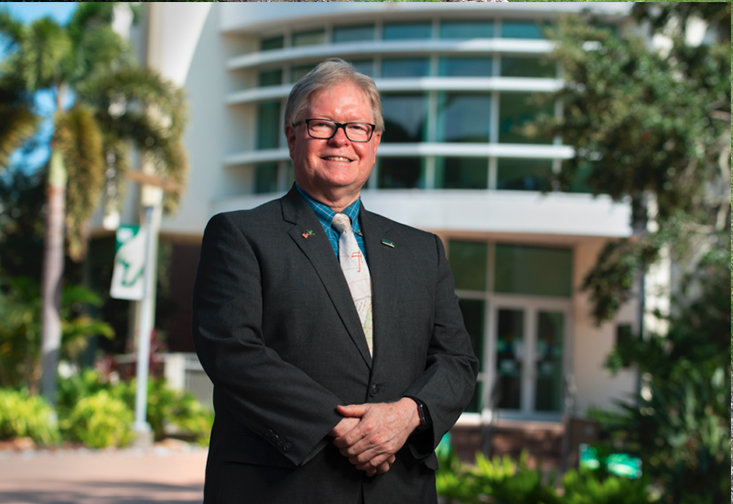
x: 357, y: 274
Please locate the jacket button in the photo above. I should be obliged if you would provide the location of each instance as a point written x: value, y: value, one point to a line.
x: 287, y: 447
x: 269, y: 434
x: 281, y: 443
x: 374, y: 390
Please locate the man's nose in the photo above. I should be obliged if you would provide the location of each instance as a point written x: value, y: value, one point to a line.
x: 340, y: 136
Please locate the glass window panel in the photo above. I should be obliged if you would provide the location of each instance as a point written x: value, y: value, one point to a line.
x: 307, y: 38
x: 364, y: 66
x: 468, y: 263
x: 473, y: 317
x: 539, y: 271
x: 549, y: 352
x: 515, y: 110
x: 401, y: 173
x: 521, y: 66
x: 402, y: 31
x: 298, y: 72
x: 461, y: 173
x: 405, y: 117
x: 522, y: 29
x: 466, y: 29
x: 523, y: 174
x: 271, y: 78
x: 405, y: 67
x: 466, y: 67
x: 268, y: 125
x: 265, y: 178
x: 270, y: 44
x: 463, y: 117
x: 353, y: 33
x: 579, y: 183
x: 509, y: 356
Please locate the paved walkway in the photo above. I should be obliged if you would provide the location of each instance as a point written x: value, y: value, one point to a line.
x: 171, y: 474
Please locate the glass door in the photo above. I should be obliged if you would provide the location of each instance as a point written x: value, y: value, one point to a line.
x: 527, y: 342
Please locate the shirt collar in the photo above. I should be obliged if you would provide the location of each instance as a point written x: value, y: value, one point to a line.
x: 325, y: 214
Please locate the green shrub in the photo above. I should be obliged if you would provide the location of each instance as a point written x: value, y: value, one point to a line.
x: 100, y: 420
x: 586, y: 487
x: 167, y: 409
x: 25, y: 415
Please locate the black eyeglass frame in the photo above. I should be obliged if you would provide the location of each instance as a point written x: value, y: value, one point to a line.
x: 338, y: 125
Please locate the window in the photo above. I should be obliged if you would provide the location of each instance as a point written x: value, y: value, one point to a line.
x: 522, y: 66
x: 466, y: 29
x: 515, y: 110
x: 353, y: 33
x: 403, y: 31
x: 270, y: 44
x: 461, y: 173
x: 466, y: 67
x: 298, y: 72
x: 524, y: 174
x: 401, y: 173
x: 268, y: 125
x: 522, y: 29
x: 537, y: 271
x: 265, y: 178
x: 463, y: 117
x: 405, y: 117
x: 468, y: 262
x: 271, y: 78
x: 313, y: 37
x: 364, y: 66
x: 405, y: 67
x: 521, y: 333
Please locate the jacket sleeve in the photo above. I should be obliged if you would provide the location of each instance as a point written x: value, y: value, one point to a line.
x: 451, y: 368
x: 269, y: 396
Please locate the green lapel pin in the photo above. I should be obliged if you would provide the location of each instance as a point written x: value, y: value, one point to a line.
x: 388, y: 243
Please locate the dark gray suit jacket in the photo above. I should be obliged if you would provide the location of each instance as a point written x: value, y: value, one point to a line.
x: 277, y: 332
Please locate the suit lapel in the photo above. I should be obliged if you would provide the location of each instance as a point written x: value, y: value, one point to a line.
x: 317, y: 249
x: 381, y: 272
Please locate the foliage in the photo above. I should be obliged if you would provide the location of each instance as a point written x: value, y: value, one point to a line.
x: 100, y: 420
x: 651, y: 127
x: 585, y: 487
x: 166, y: 407
x: 20, y: 328
x: 24, y: 415
x: 502, y: 480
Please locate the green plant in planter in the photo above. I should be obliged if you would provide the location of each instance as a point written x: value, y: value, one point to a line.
x: 586, y: 487
x: 25, y: 415
x: 100, y: 420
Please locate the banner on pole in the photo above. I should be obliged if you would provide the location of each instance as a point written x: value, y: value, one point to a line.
x: 128, y: 274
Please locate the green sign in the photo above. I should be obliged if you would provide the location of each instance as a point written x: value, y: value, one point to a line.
x: 620, y: 464
x: 129, y: 267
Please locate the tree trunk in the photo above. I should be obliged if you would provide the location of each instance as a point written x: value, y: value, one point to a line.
x: 53, y: 269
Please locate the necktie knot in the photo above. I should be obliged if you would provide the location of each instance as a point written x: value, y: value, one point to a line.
x: 341, y: 222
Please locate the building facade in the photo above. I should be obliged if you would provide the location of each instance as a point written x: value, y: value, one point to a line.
x: 456, y: 82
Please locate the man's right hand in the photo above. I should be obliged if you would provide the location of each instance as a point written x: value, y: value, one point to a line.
x: 348, y: 423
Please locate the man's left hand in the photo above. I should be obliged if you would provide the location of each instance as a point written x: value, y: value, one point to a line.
x: 382, y: 431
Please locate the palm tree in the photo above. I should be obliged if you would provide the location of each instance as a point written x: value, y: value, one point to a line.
x: 105, y: 105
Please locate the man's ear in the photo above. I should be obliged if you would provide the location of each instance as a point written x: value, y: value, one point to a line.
x: 290, y: 136
x: 377, y: 138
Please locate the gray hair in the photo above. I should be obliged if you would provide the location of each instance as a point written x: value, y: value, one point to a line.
x: 327, y: 74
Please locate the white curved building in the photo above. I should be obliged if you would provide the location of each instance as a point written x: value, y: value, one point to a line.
x: 455, y: 79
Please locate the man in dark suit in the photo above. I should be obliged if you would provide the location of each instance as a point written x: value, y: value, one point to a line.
x: 332, y: 335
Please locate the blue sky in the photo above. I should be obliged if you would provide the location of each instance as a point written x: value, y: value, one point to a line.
x: 27, y: 12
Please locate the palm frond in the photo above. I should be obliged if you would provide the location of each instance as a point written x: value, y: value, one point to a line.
x: 18, y: 122
x: 137, y: 106
x: 79, y: 139
x: 11, y: 29
x: 45, y: 56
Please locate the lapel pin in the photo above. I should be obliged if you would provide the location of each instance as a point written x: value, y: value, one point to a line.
x: 307, y: 233
x: 388, y: 243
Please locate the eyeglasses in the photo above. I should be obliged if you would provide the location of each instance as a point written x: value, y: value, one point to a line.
x: 325, y: 129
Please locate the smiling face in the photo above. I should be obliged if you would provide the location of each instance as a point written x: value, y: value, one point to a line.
x: 333, y: 171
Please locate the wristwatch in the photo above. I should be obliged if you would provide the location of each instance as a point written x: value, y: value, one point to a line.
x: 422, y: 411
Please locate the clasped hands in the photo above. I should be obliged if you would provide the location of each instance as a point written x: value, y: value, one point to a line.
x: 371, y: 434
